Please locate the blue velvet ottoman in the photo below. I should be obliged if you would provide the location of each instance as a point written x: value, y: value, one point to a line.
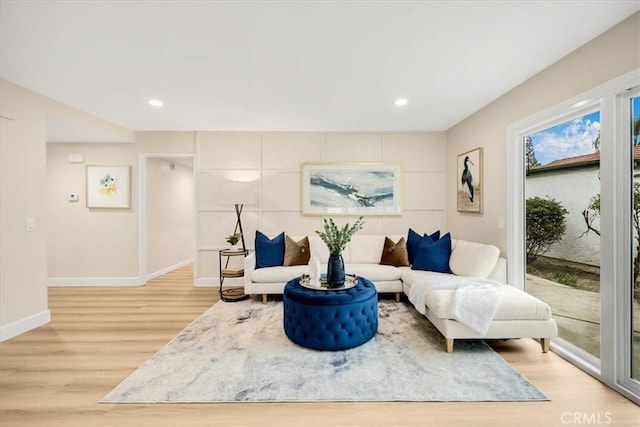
x: 330, y: 319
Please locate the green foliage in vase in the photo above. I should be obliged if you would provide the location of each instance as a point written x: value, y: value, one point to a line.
x: 337, y: 238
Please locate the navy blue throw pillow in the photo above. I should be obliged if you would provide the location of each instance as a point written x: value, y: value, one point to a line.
x: 433, y: 256
x: 413, y: 241
x: 269, y: 252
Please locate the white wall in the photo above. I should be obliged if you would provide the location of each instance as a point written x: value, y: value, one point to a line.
x: 23, y: 194
x: 85, y: 245
x: 272, y: 162
x: 169, y: 214
x: 610, y: 55
x: 23, y: 293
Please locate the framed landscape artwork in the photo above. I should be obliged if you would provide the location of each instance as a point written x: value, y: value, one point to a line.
x: 351, y: 189
x: 470, y: 189
x: 108, y: 187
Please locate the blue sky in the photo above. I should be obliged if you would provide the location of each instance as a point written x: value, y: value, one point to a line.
x: 569, y: 139
x: 572, y: 138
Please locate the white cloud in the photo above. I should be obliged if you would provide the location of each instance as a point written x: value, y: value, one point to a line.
x: 569, y: 139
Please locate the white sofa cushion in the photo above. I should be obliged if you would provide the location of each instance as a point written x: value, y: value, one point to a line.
x: 514, y: 305
x: 410, y: 276
x: 374, y: 272
x: 473, y: 259
x: 278, y: 274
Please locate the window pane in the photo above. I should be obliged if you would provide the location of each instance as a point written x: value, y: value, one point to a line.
x: 562, y: 191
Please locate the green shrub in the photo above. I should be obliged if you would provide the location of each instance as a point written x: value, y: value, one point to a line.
x: 565, y: 278
x: 545, y: 225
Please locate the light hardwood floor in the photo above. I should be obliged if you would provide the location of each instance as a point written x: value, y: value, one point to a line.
x: 55, y: 375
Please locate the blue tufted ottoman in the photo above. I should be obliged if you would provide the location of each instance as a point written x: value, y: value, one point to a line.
x: 330, y: 319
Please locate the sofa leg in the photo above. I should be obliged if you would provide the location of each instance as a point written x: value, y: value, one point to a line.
x: 264, y: 298
x: 449, y: 344
x: 397, y: 296
x: 544, y: 342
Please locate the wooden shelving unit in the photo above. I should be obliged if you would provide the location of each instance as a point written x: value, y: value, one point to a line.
x: 230, y: 294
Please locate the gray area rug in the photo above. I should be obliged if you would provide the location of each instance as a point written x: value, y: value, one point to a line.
x: 239, y: 352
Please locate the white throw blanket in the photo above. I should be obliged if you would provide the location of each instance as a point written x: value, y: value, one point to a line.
x: 474, y: 302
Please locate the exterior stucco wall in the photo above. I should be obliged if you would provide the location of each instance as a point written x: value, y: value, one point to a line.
x: 574, y: 188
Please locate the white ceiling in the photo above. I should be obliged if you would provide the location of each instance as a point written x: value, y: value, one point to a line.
x: 287, y: 65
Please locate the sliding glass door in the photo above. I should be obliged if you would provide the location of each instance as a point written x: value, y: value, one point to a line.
x: 632, y: 120
x: 574, y: 226
x: 562, y: 210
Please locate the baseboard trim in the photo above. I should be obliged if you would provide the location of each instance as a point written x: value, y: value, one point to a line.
x: 169, y: 269
x: 54, y: 282
x: 21, y: 326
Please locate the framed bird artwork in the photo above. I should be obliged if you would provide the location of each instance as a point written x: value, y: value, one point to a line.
x: 470, y: 186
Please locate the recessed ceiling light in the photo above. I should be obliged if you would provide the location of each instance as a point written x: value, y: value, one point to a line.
x: 401, y: 101
x: 156, y: 103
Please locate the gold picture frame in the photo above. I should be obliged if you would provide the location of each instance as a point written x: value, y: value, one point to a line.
x: 351, y: 189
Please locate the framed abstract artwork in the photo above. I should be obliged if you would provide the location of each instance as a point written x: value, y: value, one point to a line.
x: 469, y: 188
x: 108, y: 187
x: 351, y: 189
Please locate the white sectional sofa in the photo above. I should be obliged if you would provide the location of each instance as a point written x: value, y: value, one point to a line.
x: 518, y: 314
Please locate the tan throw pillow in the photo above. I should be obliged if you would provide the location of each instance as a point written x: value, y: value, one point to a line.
x: 296, y: 253
x: 395, y: 253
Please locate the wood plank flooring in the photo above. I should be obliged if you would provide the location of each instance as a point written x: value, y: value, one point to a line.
x: 56, y: 374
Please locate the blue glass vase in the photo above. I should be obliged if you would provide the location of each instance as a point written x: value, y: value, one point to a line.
x: 335, y: 271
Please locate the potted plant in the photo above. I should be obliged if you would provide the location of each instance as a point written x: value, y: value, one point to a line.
x: 233, y: 240
x: 336, y: 240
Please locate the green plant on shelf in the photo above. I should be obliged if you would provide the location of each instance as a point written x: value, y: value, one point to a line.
x: 233, y: 238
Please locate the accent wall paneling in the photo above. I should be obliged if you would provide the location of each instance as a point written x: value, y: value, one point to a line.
x: 417, y: 152
x: 423, y: 190
x: 292, y: 223
x: 210, y: 182
x: 288, y: 150
x: 372, y: 224
x: 272, y: 161
x: 228, y: 150
x: 214, y: 227
x: 352, y: 147
x: 281, y: 191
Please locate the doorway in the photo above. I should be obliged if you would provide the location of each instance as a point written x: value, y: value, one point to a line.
x: 167, y: 213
